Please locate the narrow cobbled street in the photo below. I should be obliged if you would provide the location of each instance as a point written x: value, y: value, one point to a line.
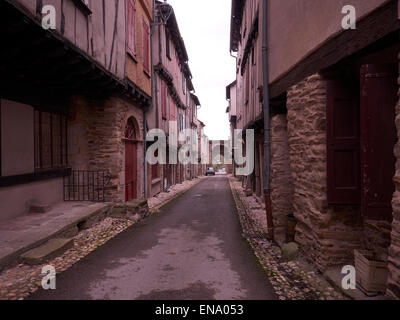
x: 192, y: 249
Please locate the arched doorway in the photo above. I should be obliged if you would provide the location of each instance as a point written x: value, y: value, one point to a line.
x: 130, y: 161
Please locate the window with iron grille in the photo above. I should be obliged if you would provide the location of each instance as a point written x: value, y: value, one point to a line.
x: 50, y: 140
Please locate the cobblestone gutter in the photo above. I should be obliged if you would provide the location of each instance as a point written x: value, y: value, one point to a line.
x: 291, y: 280
x: 19, y: 282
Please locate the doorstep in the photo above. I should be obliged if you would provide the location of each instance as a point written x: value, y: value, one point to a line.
x: 334, y: 276
x: 30, y: 231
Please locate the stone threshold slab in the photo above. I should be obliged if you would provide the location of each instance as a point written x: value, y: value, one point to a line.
x: 51, y: 249
x: 27, y: 232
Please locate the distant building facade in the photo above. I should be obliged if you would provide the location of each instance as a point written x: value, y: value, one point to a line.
x: 174, y: 98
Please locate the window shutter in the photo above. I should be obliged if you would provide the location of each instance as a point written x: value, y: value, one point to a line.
x: 131, y: 32
x: 378, y: 137
x: 172, y: 109
x: 163, y: 100
x: 343, y: 143
x: 146, y: 47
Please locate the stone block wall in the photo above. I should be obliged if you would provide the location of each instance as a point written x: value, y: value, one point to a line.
x: 327, y: 235
x: 281, y: 177
x: 394, y: 250
x: 96, y: 132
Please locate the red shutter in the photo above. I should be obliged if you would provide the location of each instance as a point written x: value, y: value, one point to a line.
x: 378, y: 138
x: 164, y: 100
x: 131, y: 28
x: 343, y: 143
x: 172, y: 110
x: 146, y: 47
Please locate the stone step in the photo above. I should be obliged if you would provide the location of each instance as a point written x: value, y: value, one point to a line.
x: 47, y: 251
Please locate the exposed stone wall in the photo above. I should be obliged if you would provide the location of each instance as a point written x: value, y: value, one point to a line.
x: 281, y: 177
x: 327, y: 235
x: 394, y: 251
x: 96, y: 132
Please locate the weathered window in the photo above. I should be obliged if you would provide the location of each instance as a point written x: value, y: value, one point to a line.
x: 50, y: 140
x: 131, y: 28
x: 183, y: 83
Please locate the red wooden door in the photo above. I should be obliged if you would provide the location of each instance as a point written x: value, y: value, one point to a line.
x: 378, y: 137
x: 130, y: 171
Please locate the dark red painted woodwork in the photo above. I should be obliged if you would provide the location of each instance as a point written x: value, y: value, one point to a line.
x: 343, y: 143
x: 146, y: 47
x: 378, y: 137
x: 130, y: 161
x: 163, y: 100
x: 130, y: 170
x: 131, y: 28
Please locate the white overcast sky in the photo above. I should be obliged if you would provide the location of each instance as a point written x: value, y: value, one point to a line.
x: 205, y: 28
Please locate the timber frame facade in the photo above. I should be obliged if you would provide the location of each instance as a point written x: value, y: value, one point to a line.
x: 72, y: 105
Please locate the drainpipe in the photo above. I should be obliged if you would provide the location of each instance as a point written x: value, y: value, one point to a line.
x: 152, y: 102
x: 267, y: 129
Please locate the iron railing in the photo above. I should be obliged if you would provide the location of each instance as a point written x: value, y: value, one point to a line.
x: 85, y: 186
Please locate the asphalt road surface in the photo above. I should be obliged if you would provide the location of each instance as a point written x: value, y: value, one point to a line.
x: 192, y: 250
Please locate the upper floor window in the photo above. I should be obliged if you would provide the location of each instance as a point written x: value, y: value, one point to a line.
x: 146, y: 47
x: 131, y: 28
x: 172, y: 110
x: 182, y: 122
x: 183, y: 83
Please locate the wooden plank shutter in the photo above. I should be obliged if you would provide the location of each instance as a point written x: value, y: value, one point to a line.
x: 172, y: 110
x: 146, y: 47
x: 343, y: 143
x: 163, y: 100
x: 378, y: 138
x: 131, y: 26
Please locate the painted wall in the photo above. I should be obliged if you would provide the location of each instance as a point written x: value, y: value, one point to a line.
x: 17, y: 138
x: 297, y: 28
x: 14, y: 201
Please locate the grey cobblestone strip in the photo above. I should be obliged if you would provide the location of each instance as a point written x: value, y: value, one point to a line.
x: 291, y: 280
